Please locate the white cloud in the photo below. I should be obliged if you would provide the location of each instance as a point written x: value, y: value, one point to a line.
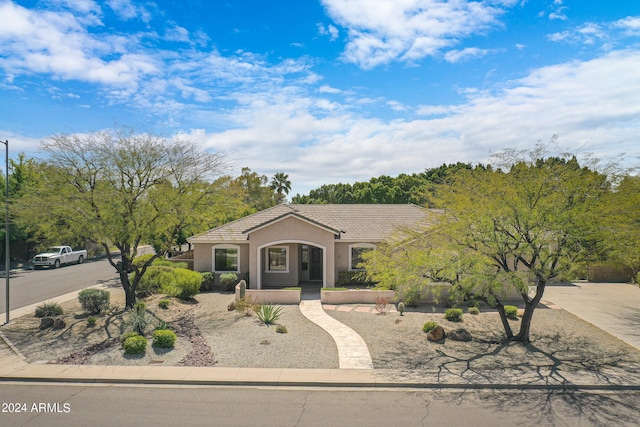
x: 409, y: 30
x: 577, y: 100
x: 464, y: 54
x: 329, y: 30
x: 58, y: 44
x: 328, y: 89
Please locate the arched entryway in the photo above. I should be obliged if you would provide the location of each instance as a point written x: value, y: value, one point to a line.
x: 291, y: 263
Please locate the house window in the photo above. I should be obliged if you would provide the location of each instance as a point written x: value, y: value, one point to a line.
x: 278, y: 259
x: 226, y: 258
x: 356, y: 252
x: 305, y: 257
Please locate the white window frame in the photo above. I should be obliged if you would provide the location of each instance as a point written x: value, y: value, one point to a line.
x: 213, y: 259
x: 266, y: 260
x: 358, y: 245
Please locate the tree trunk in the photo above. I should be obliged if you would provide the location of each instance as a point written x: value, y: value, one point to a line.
x: 129, y: 290
x: 505, y: 322
x: 530, y: 306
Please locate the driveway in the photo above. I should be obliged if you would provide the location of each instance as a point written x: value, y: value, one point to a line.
x: 612, y: 307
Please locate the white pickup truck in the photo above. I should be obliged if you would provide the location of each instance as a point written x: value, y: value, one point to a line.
x: 55, y: 256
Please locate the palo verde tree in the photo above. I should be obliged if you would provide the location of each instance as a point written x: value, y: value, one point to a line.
x: 122, y: 189
x: 506, y: 230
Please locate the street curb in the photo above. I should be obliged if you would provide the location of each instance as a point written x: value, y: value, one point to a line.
x: 325, y: 384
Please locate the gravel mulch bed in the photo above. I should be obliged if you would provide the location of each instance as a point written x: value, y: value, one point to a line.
x: 563, y: 348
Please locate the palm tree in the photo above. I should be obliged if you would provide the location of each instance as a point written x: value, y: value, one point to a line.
x: 280, y: 184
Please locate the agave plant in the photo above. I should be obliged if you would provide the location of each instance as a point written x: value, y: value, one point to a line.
x: 269, y: 313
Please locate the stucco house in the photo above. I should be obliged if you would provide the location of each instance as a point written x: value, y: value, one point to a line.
x: 289, y: 244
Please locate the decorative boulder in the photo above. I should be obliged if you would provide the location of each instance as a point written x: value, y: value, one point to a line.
x: 59, y: 324
x: 46, y: 323
x: 460, y: 334
x: 436, y: 334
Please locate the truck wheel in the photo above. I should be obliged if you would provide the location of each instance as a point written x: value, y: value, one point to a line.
x: 81, y: 259
x: 56, y: 264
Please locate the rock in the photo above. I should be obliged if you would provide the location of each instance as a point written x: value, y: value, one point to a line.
x: 436, y: 334
x: 460, y: 334
x: 59, y: 324
x: 46, y: 323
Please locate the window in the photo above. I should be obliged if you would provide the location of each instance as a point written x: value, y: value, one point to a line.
x: 278, y: 259
x: 226, y: 258
x: 305, y: 257
x: 355, y: 254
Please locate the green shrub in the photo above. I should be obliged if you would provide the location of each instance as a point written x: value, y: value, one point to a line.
x: 353, y: 278
x: 126, y: 336
x: 473, y: 310
x: 139, y: 320
x: 453, y: 314
x: 511, y: 311
x: 153, y: 278
x: 188, y: 282
x: 164, y: 303
x: 411, y: 297
x: 91, y: 321
x: 244, y: 305
x: 269, y: 313
x: 228, y: 281
x: 208, y: 280
x: 140, y: 260
x: 170, y: 264
x: 429, y: 326
x: 281, y: 329
x: 335, y: 289
x: 94, y: 300
x: 164, y: 338
x: 49, y: 309
x: 135, y: 345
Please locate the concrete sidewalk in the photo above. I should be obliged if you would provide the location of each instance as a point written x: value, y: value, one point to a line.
x: 612, y: 307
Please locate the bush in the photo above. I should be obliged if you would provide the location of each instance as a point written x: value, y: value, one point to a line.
x: 94, y: 300
x: 453, y: 314
x: 228, y: 281
x: 269, y: 313
x: 281, y: 329
x: 153, y: 279
x: 91, y: 321
x: 208, y: 280
x: 49, y: 309
x: 140, y: 260
x: 473, y: 310
x: 245, y: 306
x: 429, y: 326
x: 164, y: 303
x: 353, y: 278
x: 135, y: 345
x: 188, y: 282
x: 170, y: 264
x: 511, y: 311
x: 411, y: 297
x: 164, y: 338
x: 126, y: 336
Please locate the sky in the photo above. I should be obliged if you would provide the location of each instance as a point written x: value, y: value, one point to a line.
x: 327, y: 91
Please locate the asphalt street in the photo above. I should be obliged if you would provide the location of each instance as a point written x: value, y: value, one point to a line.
x: 75, y: 405
x: 28, y: 287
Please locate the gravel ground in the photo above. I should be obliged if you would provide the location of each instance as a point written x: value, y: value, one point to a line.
x: 563, y: 347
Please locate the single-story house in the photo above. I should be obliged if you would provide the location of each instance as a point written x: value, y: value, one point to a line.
x: 289, y: 244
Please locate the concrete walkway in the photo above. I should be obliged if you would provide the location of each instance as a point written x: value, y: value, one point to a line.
x: 612, y: 307
x: 353, y: 352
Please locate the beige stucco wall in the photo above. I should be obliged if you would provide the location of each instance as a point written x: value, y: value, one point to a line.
x: 289, y: 232
x: 203, y: 256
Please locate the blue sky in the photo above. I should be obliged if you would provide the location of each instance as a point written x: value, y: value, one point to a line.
x: 328, y: 91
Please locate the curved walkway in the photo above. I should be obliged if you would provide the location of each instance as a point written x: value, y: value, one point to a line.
x: 353, y: 352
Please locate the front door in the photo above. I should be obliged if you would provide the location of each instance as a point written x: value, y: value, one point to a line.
x: 315, y: 263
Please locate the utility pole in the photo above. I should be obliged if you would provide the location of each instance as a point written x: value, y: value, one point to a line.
x: 7, y: 261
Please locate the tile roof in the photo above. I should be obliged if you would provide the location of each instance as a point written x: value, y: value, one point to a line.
x: 351, y: 222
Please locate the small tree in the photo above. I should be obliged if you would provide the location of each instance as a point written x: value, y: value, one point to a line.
x: 122, y: 189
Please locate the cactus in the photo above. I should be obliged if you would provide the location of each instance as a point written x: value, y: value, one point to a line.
x: 243, y: 288
x: 401, y: 308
